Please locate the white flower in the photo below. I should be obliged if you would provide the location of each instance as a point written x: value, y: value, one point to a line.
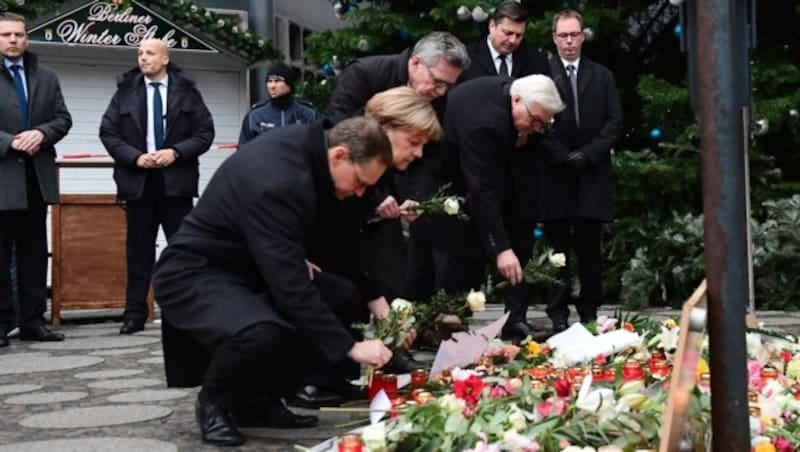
x: 374, y: 437
x: 476, y: 301
x: 517, y: 420
x: 753, y: 342
x: 451, y: 206
x: 452, y: 404
x: 557, y: 259
x: 462, y: 374
x: 578, y: 449
x: 399, y: 304
x: 600, y: 401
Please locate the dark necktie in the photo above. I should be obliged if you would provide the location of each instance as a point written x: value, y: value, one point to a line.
x: 572, y: 73
x: 503, y: 68
x: 158, y: 116
x: 23, y: 99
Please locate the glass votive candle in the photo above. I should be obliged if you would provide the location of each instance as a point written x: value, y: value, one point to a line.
x: 419, y: 378
x: 390, y: 385
x: 375, y: 385
x: 350, y: 443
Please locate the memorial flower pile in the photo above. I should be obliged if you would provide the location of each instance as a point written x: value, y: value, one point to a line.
x: 534, y: 397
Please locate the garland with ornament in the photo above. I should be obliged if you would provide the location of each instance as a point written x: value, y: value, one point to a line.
x: 251, y: 45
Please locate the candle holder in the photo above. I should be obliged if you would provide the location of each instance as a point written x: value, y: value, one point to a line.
x: 419, y: 378
x: 350, y: 443
x: 375, y: 385
x: 632, y: 370
x: 390, y: 385
x: 660, y: 369
x: 538, y: 385
x: 769, y: 373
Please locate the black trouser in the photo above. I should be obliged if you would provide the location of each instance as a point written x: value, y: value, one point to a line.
x: 430, y: 269
x: 386, y: 251
x: 144, y: 215
x: 588, y: 241
x: 23, y: 233
x: 517, y: 297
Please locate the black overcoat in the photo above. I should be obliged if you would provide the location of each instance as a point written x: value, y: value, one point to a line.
x: 123, y: 131
x: 239, y: 257
x: 562, y: 193
x: 527, y: 61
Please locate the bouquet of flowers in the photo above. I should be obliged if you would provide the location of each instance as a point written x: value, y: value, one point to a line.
x: 442, y: 204
x: 392, y: 329
x: 543, y: 268
x: 442, y: 314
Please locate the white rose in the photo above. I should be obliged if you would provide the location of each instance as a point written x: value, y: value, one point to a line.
x: 557, y: 260
x: 452, y: 404
x: 399, y: 304
x: 451, y: 206
x: 517, y: 421
x: 374, y: 437
x: 476, y: 301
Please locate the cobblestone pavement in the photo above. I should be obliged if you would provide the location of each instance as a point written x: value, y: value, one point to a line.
x: 100, y: 391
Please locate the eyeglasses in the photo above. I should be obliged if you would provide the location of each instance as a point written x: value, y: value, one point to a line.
x: 539, y: 124
x: 573, y: 35
x: 437, y: 82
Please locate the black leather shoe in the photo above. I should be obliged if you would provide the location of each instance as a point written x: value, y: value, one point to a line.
x: 402, y: 363
x: 39, y: 333
x: 131, y: 326
x: 215, y: 426
x: 270, y: 412
x: 559, y: 325
x: 351, y: 392
x: 517, y: 332
x: 314, y: 397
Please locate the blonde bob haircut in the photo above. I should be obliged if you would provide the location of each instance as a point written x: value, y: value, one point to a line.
x: 404, y: 109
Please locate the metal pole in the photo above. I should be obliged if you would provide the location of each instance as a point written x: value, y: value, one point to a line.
x: 722, y: 92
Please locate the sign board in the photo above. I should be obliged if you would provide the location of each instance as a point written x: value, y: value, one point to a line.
x: 108, y: 24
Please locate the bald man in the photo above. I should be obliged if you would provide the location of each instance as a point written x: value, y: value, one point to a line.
x: 155, y: 128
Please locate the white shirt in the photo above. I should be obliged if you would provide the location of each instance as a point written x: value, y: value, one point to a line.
x: 495, y: 54
x: 151, y: 137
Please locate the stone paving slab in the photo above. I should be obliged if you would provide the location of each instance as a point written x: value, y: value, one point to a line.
x: 125, y: 406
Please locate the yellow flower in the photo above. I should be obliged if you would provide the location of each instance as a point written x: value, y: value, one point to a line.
x: 533, y: 348
x: 793, y: 369
x: 702, y: 368
x: 670, y: 324
x: 765, y: 446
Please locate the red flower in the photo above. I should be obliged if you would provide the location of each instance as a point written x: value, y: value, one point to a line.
x: 469, y: 389
x: 782, y: 444
x: 786, y: 356
x: 562, y: 387
x: 600, y: 359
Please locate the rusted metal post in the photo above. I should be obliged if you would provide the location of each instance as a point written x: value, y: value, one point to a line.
x: 723, y: 90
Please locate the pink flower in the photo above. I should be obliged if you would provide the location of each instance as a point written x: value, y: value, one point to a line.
x: 510, y: 389
x: 782, y: 444
x: 562, y: 387
x: 497, y: 391
x: 551, y: 407
x: 754, y: 373
x: 605, y: 324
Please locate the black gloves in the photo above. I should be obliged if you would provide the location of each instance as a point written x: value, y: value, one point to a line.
x: 576, y: 160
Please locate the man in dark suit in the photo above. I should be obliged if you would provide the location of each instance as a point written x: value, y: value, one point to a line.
x: 33, y: 118
x: 575, y: 168
x: 502, y: 51
x: 155, y: 128
x: 234, y: 280
x: 486, y: 146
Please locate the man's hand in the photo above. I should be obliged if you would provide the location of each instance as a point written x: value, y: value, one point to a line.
x: 508, y: 266
x: 411, y: 336
x: 146, y: 161
x: 379, y: 307
x: 28, y: 141
x: 164, y: 157
x: 371, y: 352
x: 407, y: 211
x: 577, y: 160
x: 388, y: 208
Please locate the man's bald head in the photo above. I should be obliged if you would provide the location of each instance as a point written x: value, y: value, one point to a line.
x: 153, y: 58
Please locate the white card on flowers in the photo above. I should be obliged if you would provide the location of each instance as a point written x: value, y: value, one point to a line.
x: 579, y: 345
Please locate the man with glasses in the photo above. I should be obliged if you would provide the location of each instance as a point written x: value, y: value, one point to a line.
x: 482, y: 147
x: 575, y: 168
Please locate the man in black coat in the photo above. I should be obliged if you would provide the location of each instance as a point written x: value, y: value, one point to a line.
x: 155, y: 160
x: 486, y: 146
x: 33, y: 118
x: 575, y: 168
x: 234, y: 283
x: 501, y: 51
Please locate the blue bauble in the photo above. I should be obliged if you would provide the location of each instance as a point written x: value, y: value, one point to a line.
x: 327, y: 70
x: 402, y: 34
x: 655, y: 133
x: 538, y: 233
x: 678, y: 30
x: 352, y: 7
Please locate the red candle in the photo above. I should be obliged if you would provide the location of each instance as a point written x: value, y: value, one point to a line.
x: 375, y: 385
x: 390, y: 385
x: 419, y: 378
x: 632, y: 370
x: 350, y: 443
